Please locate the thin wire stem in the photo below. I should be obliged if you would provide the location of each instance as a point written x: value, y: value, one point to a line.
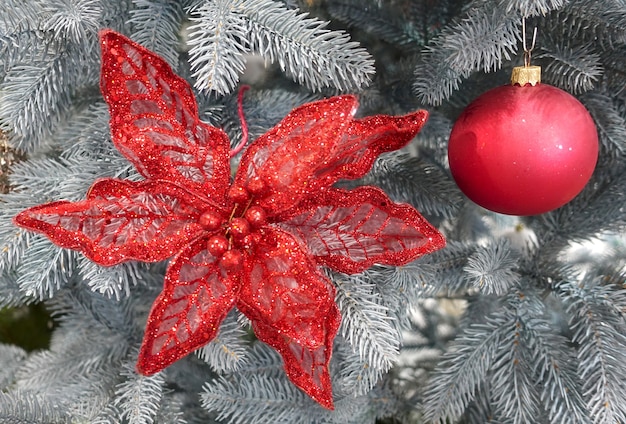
x: 527, y: 51
x: 242, y: 119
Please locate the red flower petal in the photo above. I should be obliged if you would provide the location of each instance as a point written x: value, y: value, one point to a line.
x: 306, y: 367
x: 154, y: 119
x: 292, y: 308
x: 286, y: 158
x: 364, y: 141
x: 120, y: 220
x: 196, y: 298
x: 283, y: 287
x: 351, y: 230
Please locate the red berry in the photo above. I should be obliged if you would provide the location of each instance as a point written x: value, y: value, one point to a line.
x: 256, y: 216
x: 257, y: 187
x: 239, y: 228
x: 238, y: 195
x: 232, y: 260
x: 210, y: 220
x: 217, y: 245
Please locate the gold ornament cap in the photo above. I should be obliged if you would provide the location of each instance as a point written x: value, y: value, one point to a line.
x: 523, y: 75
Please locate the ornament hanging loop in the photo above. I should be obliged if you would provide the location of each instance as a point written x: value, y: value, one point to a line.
x: 527, y: 74
x: 527, y: 50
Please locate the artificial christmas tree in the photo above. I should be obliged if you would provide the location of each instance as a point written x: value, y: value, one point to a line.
x: 515, y: 320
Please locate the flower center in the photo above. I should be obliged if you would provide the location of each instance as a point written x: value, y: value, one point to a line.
x: 237, y: 233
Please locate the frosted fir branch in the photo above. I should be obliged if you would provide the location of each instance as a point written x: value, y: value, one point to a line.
x: 441, y: 272
x: 13, y: 240
x: 573, y: 68
x: 531, y: 7
x: 417, y: 181
x: 25, y: 407
x: 368, y: 409
x: 432, y: 141
x: 492, y: 268
x: 11, y: 358
x: 600, y: 336
x: 366, y: 323
x: 355, y: 376
x: 48, y: 371
x: 593, y: 292
x: 139, y: 396
x: 376, y: 19
x: 554, y: 369
x: 479, y: 409
x: 226, y: 30
x: 462, y: 370
x: 255, y: 399
x: 36, y: 92
x: 261, y: 380
x: 41, y: 177
x: 113, y: 281
x: 84, y: 396
x: 156, y: 26
x: 515, y: 397
x: 192, y: 6
x: 86, y: 145
x: 19, y: 26
x: 397, y: 297
x: 259, y: 398
x: 91, y: 331
x: 218, y: 40
x: 602, y: 21
x: 82, y: 350
x: 262, y: 359
x: 10, y: 293
x: 18, y: 14
x: 171, y: 410
x: 415, y: 278
x: 82, y: 309
x: 227, y: 352
x: 31, y: 99
x: 432, y: 324
x: 517, y: 379
x: 109, y: 415
x: 44, y: 268
x: 305, y: 49
x: 481, y: 41
x: 614, y: 62
x: 596, y: 209
x: 611, y: 124
x: 87, y: 133
x: 48, y: 179
x: 73, y: 20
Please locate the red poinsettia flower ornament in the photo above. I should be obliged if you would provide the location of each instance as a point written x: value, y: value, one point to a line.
x: 257, y: 242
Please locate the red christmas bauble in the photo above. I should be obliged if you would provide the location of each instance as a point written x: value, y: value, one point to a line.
x: 523, y: 150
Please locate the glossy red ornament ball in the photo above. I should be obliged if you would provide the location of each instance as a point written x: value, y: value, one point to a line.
x: 523, y: 150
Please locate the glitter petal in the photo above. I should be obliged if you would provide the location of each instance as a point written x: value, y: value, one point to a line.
x: 154, y: 119
x: 120, y: 220
x: 196, y: 298
x: 350, y: 231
